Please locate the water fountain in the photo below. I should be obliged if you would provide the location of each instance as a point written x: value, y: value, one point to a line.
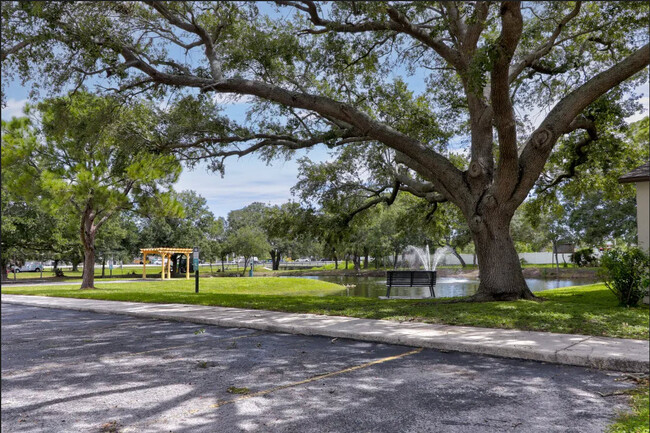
x: 417, y: 257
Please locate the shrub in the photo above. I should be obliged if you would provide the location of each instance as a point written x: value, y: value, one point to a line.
x: 584, y: 257
x: 58, y: 272
x: 626, y: 274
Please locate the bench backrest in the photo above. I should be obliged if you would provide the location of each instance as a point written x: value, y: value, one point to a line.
x: 410, y: 278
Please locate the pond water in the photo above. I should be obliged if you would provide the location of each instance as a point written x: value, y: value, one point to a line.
x: 446, y: 287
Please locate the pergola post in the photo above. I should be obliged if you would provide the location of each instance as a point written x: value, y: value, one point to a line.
x: 187, y: 266
x: 144, y: 266
x: 169, y: 266
x: 162, y: 273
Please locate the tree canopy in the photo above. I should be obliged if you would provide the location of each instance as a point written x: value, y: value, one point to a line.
x: 86, y: 158
x: 343, y: 74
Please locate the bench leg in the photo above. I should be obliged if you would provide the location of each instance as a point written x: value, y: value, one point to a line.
x: 388, y: 292
x: 433, y: 293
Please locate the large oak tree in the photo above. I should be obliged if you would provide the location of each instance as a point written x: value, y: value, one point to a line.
x: 332, y: 73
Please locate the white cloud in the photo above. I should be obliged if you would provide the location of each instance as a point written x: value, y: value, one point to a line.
x: 246, y: 180
x: 14, y: 108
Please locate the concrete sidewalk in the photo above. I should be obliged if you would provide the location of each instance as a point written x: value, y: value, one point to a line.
x: 596, y: 352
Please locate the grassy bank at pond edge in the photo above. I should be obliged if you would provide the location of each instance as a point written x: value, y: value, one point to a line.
x: 588, y: 310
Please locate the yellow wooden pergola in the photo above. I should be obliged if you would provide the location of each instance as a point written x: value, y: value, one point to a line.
x: 166, y: 255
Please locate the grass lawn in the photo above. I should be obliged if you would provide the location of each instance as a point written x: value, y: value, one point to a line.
x: 637, y: 419
x: 589, y: 310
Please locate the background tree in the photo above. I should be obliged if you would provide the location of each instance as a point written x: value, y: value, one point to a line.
x: 88, y: 155
x: 596, y: 206
x: 29, y: 232
x: 333, y: 75
x: 195, y: 226
x: 286, y: 232
x: 249, y: 242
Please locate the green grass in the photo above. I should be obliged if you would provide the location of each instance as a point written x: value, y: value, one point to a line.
x: 637, y: 420
x: 588, y: 310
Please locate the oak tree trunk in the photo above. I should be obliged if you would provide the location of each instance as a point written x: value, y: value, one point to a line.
x: 356, y: 262
x: 459, y: 257
x: 4, y: 265
x: 501, y: 278
x: 275, y: 259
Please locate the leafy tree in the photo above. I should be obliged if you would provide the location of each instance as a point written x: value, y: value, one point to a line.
x: 88, y: 156
x: 29, y: 232
x: 597, y: 207
x: 249, y: 242
x: 119, y: 240
x: 333, y: 74
x: 286, y: 232
x: 195, y: 226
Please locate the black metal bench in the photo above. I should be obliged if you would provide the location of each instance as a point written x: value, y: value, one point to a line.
x: 411, y: 279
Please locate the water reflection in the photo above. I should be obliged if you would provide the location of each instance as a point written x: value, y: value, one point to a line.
x: 446, y: 287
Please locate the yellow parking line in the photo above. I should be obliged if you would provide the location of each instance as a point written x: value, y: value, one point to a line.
x: 315, y: 378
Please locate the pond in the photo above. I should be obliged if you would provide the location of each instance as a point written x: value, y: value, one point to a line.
x: 446, y: 287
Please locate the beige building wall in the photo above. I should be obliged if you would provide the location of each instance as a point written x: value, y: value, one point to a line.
x: 643, y: 214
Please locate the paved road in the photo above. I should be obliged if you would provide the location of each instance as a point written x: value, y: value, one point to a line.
x: 74, y: 371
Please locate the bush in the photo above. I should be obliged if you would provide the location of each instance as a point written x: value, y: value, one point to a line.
x: 584, y: 257
x: 58, y: 272
x: 626, y: 274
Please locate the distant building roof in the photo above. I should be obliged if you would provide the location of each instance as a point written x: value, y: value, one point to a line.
x: 639, y: 174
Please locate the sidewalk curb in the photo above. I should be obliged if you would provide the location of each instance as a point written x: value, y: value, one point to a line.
x: 581, y: 350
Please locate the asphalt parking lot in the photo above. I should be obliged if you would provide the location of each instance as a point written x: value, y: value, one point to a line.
x: 68, y: 371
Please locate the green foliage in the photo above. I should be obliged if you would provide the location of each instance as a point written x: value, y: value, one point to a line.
x: 584, y: 257
x: 249, y: 242
x: 626, y: 274
x: 87, y: 160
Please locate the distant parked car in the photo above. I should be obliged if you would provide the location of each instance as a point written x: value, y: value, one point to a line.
x: 28, y: 267
x: 306, y: 259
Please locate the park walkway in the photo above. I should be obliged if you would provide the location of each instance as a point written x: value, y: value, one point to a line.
x: 582, y: 350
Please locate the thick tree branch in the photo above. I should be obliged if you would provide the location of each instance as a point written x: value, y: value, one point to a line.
x: 580, y: 151
x: 14, y: 49
x: 504, y: 115
x: 538, y: 147
x: 374, y: 202
x: 546, y: 47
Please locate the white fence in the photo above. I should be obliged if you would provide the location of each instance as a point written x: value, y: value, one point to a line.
x: 531, y: 258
